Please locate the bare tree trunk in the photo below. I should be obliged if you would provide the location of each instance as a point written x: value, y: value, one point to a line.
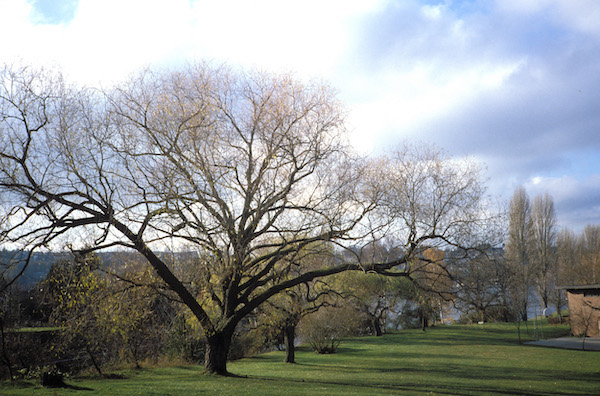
x: 524, y: 312
x: 424, y: 320
x: 376, y: 327
x: 290, y: 348
x: 135, y: 355
x: 94, y: 361
x: 217, y: 350
x: 559, y: 305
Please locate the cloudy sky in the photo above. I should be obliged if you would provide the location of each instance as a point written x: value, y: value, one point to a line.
x: 514, y: 84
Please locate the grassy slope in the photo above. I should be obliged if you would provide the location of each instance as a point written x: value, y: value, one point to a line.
x: 456, y: 360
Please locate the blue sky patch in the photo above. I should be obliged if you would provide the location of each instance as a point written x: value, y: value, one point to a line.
x: 55, y: 12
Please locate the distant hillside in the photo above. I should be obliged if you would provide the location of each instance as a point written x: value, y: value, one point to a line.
x: 12, y: 261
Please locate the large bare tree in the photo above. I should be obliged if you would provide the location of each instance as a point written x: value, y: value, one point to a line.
x: 243, y: 169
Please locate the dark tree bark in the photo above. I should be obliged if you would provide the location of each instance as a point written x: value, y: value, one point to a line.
x: 5, y: 356
x: 95, y: 363
x: 376, y: 326
x: 217, y: 350
x: 290, y: 348
x: 424, y: 320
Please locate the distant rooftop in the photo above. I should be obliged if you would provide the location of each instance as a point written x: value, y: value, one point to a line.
x: 580, y: 287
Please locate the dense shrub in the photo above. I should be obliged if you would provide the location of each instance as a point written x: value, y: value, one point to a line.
x: 24, y: 352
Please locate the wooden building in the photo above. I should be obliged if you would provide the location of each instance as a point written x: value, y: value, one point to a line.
x: 584, y: 309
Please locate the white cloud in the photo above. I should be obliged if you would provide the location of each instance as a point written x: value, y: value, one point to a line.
x: 522, y: 6
x: 419, y: 64
x: 581, y: 15
x: 308, y: 37
x: 108, y: 39
x: 432, y: 12
x: 397, y: 104
x: 14, y: 26
x: 577, y: 201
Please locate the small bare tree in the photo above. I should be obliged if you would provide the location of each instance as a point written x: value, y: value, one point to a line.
x: 480, y: 283
x: 284, y: 311
x: 544, y: 246
x: 518, y: 251
x: 590, y: 254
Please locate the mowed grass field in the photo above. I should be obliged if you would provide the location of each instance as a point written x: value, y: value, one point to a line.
x: 448, y: 360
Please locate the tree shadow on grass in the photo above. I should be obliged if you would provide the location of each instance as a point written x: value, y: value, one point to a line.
x: 417, y: 387
x: 345, y: 350
x: 470, y: 376
x: 466, y: 387
x: 457, y: 337
x: 481, y: 372
x: 69, y: 386
x: 444, y: 336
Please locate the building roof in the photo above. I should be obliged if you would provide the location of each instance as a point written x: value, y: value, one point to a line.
x: 581, y: 287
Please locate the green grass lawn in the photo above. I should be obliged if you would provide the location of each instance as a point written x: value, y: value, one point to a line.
x: 449, y: 360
